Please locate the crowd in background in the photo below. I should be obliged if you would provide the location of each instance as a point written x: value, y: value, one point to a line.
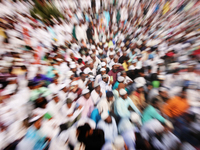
x: 110, y: 75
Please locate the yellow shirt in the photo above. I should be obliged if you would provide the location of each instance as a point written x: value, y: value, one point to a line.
x: 125, y: 66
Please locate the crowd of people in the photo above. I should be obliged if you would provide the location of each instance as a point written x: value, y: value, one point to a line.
x: 109, y: 75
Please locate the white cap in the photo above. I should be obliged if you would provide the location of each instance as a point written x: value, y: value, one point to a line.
x: 90, y: 61
x: 160, y: 61
x: 122, y: 92
x: 131, y: 67
x: 100, y: 51
x: 138, y: 85
x: 120, y: 79
x: 96, y: 84
x: 119, y: 143
x: 103, y: 69
x: 163, y: 89
x: 111, y: 46
x: 112, y: 53
x: 106, y: 45
x: 105, y: 76
x: 122, y: 45
x: 103, y: 64
x: 135, y: 118
x: 161, y: 77
x: 93, y: 47
x: 85, y: 91
x: 74, y: 83
x: 72, y: 66
x: 140, y: 80
x: 104, y: 115
x: 35, y: 118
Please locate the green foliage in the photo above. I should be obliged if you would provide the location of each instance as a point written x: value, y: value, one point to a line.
x: 45, y: 11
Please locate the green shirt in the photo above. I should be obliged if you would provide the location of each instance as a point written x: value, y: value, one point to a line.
x: 151, y: 113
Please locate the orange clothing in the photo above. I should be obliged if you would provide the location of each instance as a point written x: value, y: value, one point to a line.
x: 138, y: 99
x: 175, y: 107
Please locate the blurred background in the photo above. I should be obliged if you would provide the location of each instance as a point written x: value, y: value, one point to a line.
x: 99, y: 74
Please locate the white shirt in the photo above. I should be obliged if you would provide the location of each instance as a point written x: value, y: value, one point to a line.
x: 88, y: 70
x: 105, y: 86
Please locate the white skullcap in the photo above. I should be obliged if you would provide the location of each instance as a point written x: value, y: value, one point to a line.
x: 122, y: 92
x: 90, y: 52
x: 93, y: 47
x: 131, y: 67
x: 161, y: 77
x: 103, y: 69
x: 90, y: 61
x: 105, y: 76
x: 74, y: 83
x: 139, y: 85
x: 72, y: 66
x: 100, y: 51
x: 93, y: 55
x: 69, y: 73
x: 106, y: 45
x: 85, y: 91
x: 111, y: 46
x: 160, y: 61
x: 135, y: 118
x: 104, y: 115
x: 120, y: 79
x: 35, y: 118
x: 103, y: 64
x: 119, y: 142
x: 139, y: 42
x: 96, y: 84
x: 163, y: 89
x: 122, y: 45
x: 112, y: 53
x: 140, y: 80
x: 63, y: 85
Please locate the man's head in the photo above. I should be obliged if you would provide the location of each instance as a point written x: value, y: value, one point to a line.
x: 183, y: 93
x: 69, y: 102
x: 90, y: 64
x: 103, y: 71
x: 97, y: 87
x: 83, y: 76
x: 106, y: 117
x: 73, y: 68
x: 105, y: 78
x: 109, y: 96
x: 114, y: 68
x: 123, y: 94
x: 163, y: 92
x: 86, y: 93
x: 156, y: 103
x: 56, y: 98
x: 139, y: 87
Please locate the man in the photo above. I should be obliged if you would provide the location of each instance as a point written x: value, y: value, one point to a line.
x: 122, y: 104
x: 90, y: 32
x: 106, y: 84
x: 122, y: 58
x: 97, y: 93
x: 109, y: 126
x: 34, y: 138
x: 99, y: 76
x: 150, y: 112
x: 101, y: 55
x: 138, y: 97
x: 86, y: 102
x: 176, y: 106
x: 90, y: 68
x: 115, y: 69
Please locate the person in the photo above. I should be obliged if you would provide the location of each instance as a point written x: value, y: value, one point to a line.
x: 34, y: 139
x: 106, y: 84
x: 122, y: 104
x: 172, y: 110
x: 86, y: 102
x: 150, y: 112
x: 97, y: 93
x: 90, y: 32
x: 109, y: 126
x: 138, y: 97
x: 115, y: 69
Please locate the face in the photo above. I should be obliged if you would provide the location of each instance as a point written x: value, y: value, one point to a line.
x: 56, y: 99
x: 83, y: 76
x: 140, y: 90
x: 125, y: 96
x: 98, y: 89
x: 108, y: 120
x: 183, y: 94
x: 103, y: 72
x: 123, y: 74
x: 87, y: 96
x: 38, y: 123
x: 110, y: 99
x: 111, y: 56
x: 73, y: 69
x: 69, y: 105
x: 91, y: 65
x: 105, y: 80
x: 114, y: 68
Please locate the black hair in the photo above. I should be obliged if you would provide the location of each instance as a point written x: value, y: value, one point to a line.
x: 154, y: 101
x: 82, y: 132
